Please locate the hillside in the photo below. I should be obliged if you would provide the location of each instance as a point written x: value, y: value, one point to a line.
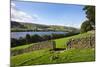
x: 60, y: 43
x: 46, y: 56
x: 20, y: 26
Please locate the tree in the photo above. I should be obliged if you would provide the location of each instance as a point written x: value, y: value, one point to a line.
x: 13, y: 42
x: 21, y: 41
x: 28, y: 39
x: 36, y: 38
x: 86, y: 26
x: 90, y: 14
x: 46, y: 37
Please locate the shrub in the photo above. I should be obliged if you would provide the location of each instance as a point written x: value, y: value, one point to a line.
x: 86, y: 26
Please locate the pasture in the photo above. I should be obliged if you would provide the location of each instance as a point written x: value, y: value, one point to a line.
x: 47, y: 56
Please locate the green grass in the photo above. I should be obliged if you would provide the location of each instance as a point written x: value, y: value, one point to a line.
x: 44, y: 57
x: 78, y: 55
x: 61, y: 43
x: 20, y: 59
x: 21, y: 47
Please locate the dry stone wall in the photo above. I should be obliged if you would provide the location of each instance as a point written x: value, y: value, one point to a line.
x: 37, y: 46
x: 86, y: 42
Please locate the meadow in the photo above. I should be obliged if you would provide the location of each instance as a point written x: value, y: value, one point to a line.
x: 47, y: 56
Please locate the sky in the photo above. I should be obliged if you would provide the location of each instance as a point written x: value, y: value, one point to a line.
x: 48, y: 13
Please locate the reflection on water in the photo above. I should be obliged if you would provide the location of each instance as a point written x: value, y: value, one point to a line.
x: 23, y: 34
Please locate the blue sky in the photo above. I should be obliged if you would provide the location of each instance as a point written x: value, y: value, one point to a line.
x: 48, y: 13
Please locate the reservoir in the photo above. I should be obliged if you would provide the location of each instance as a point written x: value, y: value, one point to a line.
x: 17, y: 35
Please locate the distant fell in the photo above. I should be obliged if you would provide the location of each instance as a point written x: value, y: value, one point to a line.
x: 22, y: 26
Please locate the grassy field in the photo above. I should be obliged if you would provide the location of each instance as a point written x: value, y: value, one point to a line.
x: 49, y: 57
x: 61, y: 43
x: 46, y: 56
x: 19, y: 59
x: 21, y: 47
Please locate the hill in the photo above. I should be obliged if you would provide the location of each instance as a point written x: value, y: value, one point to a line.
x: 46, y: 56
x: 22, y: 26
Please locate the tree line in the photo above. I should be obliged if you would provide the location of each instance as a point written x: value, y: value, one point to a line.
x: 28, y: 39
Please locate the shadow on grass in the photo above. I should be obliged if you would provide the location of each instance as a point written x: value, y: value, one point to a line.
x: 58, y: 49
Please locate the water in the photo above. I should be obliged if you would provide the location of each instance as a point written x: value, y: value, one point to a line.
x: 17, y: 35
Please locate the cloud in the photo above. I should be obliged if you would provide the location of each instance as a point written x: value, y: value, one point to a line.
x: 69, y: 25
x: 21, y: 16
x: 74, y: 25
